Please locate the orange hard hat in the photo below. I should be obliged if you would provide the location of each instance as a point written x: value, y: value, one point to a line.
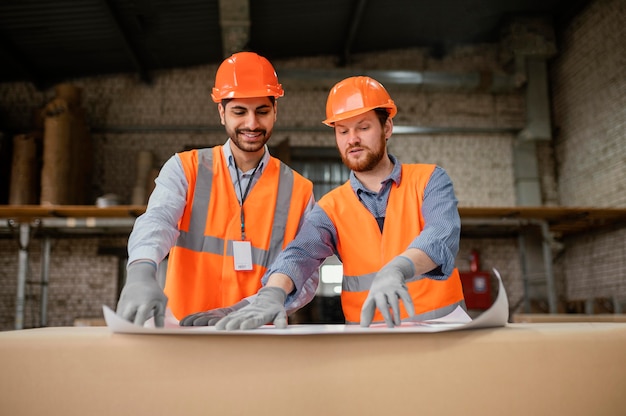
x: 354, y: 96
x: 245, y: 75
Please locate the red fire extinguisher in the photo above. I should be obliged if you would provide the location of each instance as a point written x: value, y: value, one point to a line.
x: 474, y: 261
x: 476, y: 284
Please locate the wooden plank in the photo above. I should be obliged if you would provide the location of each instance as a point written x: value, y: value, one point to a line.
x: 31, y: 212
x: 562, y: 221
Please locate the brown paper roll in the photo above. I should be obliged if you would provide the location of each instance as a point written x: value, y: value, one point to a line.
x: 69, y: 93
x: 82, y: 160
x: 154, y: 172
x: 55, y: 173
x: 23, y: 188
x: 68, y: 151
x: 141, y: 192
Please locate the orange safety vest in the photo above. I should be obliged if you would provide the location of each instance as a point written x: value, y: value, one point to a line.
x: 201, y: 273
x: 363, y: 249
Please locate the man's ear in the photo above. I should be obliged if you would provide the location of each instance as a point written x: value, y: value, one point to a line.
x: 220, y: 110
x: 388, y: 128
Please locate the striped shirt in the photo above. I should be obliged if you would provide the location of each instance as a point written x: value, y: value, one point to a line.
x: 156, y: 231
x: 317, y: 239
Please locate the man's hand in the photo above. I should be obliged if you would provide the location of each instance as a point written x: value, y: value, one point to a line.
x: 387, y: 288
x: 210, y: 318
x: 267, y: 307
x: 142, y: 297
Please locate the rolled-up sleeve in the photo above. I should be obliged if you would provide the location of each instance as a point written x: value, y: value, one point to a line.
x: 301, y: 259
x: 440, y: 237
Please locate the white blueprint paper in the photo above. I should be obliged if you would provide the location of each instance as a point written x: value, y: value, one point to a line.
x: 496, y: 316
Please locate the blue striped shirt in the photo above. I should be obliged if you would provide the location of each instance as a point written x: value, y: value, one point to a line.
x: 317, y: 239
x: 155, y: 232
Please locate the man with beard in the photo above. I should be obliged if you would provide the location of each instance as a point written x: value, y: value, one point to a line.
x: 394, y: 226
x: 222, y: 214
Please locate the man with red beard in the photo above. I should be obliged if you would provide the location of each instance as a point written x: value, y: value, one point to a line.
x: 394, y: 226
x: 221, y: 214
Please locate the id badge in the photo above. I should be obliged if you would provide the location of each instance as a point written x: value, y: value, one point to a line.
x: 242, y: 251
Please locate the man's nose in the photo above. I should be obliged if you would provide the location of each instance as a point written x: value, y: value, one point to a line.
x: 251, y: 122
x: 353, y: 137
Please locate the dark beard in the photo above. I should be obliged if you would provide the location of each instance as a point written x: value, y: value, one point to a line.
x: 250, y: 147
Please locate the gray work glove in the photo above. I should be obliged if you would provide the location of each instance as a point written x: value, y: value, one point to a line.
x: 142, y: 297
x: 210, y: 317
x: 267, y: 307
x: 387, y: 288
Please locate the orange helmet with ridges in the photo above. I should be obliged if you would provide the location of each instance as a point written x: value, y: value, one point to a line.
x: 354, y: 96
x: 246, y: 75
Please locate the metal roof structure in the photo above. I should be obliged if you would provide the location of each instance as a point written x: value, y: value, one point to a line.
x: 45, y: 42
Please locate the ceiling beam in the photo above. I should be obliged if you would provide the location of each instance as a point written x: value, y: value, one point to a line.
x: 129, y: 47
x: 235, y: 25
x: 357, y: 17
x: 16, y: 55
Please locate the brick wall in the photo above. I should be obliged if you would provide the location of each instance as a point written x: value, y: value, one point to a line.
x: 126, y: 117
x: 589, y: 98
x: 589, y: 95
x: 80, y: 281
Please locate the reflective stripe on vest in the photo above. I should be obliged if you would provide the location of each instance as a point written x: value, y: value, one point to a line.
x: 201, y: 273
x: 364, y: 282
x: 431, y: 298
x: 195, y: 240
x: 364, y: 249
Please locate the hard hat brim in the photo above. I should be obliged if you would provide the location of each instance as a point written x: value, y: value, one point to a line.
x: 391, y: 109
x: 217, y: 96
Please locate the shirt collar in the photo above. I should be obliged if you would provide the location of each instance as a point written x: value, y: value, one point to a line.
x: 395, y: 176
x: 228, y: 155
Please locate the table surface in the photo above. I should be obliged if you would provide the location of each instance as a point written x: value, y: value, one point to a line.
x: 520, y: 369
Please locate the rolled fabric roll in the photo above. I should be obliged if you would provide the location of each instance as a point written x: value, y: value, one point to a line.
x: 24, y: 184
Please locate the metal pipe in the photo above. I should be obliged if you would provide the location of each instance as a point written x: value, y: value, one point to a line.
x: 90, y: 222
x: 478, y: 81
x: 75, y: 223
x: 397, y: 129
x: 525, y: 279
x: 45, y: 275
x: 24, y: 236
x: 546, y: 239
x: 547, y: 262
x: 491, y: 221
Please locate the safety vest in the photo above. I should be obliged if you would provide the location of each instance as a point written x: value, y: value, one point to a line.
x: 363, y: 249
x: 201, y: 273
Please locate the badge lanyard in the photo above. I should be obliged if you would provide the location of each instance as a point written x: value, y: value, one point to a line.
x: 243, y: 197
x: 242, y: 250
